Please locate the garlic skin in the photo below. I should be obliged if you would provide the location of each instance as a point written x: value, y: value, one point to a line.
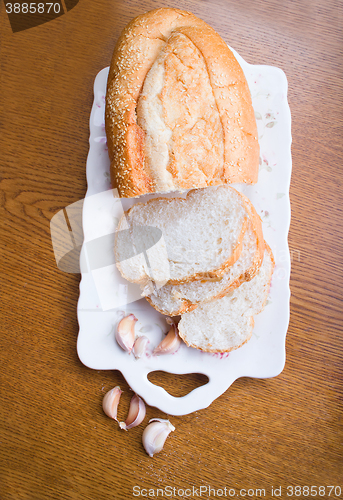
x: 139, y: 347
x: 155, y: 435
x: 125, y: 334
x: 111, y: 401
x: 136, y: 413
x: 170, y: 343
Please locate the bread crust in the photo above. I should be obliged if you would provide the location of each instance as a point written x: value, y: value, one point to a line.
x: 137, y: 49
x: 187, y: 306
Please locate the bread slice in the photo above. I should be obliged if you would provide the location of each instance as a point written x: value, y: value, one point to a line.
x: 202, y: 236
x: 227, y: 323
x: 178, y: 108
x: 173, y: 300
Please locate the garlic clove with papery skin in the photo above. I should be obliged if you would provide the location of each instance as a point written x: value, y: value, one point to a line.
x: 125, y: 334
x: 139, y: 347
x: 170, y: 343
x: 155, y: 435
x: 111, y: 401
x: 136, y: 413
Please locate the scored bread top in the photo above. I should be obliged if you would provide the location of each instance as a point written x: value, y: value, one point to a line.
x: 201, y: 236
x: 173, y: 300
x: 178, y: 108
x: 227, y: 323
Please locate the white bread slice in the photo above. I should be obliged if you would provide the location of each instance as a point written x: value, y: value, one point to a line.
x: 173, y: 300
x: 202, y: 234
x: 227, y: 323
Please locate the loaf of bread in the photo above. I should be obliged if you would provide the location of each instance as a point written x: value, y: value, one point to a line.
x: 227, y: 323
x: 178, y: 108
x: 179, y: 117
x: 202, y: 234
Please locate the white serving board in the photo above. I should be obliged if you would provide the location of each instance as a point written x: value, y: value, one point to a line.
x: 104, y: 294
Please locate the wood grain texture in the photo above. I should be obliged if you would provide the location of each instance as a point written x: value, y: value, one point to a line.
x: 55, y: 441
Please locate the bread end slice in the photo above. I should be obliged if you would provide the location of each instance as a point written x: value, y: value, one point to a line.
x: 225, y: 324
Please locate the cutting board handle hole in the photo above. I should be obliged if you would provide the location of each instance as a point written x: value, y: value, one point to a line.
x: 178, y: 385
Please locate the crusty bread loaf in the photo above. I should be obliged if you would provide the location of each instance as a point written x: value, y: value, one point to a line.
x: 178, y: 108
x: 173, y: 300
x: 227, y: 323
x: 202, y: 234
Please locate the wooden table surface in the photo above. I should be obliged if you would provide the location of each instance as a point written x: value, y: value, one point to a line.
x: 55, y: 441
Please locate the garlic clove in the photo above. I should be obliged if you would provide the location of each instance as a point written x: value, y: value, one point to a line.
x: 111, y: 401
x: 155, y: 435
x: 136, y: 413
x: 125, y: 335
x: 139, y: 347
x: 170, y: 343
